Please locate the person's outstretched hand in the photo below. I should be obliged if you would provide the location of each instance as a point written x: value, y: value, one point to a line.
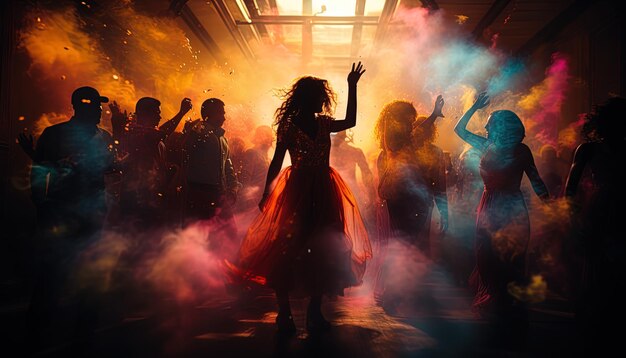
x: 119, y: 120
x: 355, y: 74
x: 27, y: 144
x: 114, y: 107
x: 185, y: 106
x: 439, y: 102
x: 482, y: 101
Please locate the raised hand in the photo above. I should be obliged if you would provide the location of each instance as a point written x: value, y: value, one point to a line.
x: 27, y: 144
x: 438, y: 107
x: 185, y: 106
x: 116, y: 112
x: 355, y: 73
x: 118, y: 119
x: 482, y: 101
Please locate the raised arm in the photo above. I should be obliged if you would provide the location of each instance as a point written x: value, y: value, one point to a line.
x: 533, y: 175
x: 436, y: 113
x: 274, y: 169
x: 26, y: 142
x: 170, y: 126
x: 581, y: 157
x: 350, y: 121
x: 119, y: 120
x: 460, y: 129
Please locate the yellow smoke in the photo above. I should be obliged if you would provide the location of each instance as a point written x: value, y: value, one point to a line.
x: 153, y: 56
x: 534, y: 292
x: 64, y: 58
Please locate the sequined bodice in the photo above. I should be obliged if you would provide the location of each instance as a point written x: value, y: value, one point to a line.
x: 304, y: 151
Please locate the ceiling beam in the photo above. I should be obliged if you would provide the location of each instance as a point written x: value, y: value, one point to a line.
x: 383, y: 21
x: 357, y: 29
x: 273, y: 6
x: 307, y: 32
x: 231, y: 25
x: 296, y: 19
x: 176, y: 6
x: 490, y: 16
x: 198, y: 29
x: 253, y: 10
x: 554, y: 27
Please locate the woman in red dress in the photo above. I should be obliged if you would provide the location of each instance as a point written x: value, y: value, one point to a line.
x: 309, y: 233
x: 502, y: 223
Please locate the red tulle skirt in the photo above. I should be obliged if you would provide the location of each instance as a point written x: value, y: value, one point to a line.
x: 309, y: 235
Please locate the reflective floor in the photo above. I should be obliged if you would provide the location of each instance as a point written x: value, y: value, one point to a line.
x: 432, y: 320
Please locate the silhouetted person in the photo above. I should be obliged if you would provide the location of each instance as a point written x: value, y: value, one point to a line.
x: 431, y: 164
x: 211, y: 184
x: 548, y: 164
x: 255, y: 165
x: 405, y: 197
x: 396, y: 174
x: 146, y: 173
x: 146, y: 187
x: 407, y: 184
x: 470, y: 184
x: 502, y: 225
x: 345, y: 158
x: 68, y: 189
x: 600, y: 312
x: 469, y: 189
x: 237, y: 147
x: 27, y: 144
x: 309, y: 233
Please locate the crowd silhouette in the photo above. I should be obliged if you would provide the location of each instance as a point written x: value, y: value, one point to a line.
x: 502, y: 224
x: 321, y: 226
x: 603, y: 279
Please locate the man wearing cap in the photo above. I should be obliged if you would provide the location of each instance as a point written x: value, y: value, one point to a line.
x: 69, y: 164
x: 212, y: 185
x: 68, y: 189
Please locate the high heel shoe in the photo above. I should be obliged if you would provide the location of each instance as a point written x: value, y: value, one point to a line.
x: 315, y: 322
x: 285, y: 323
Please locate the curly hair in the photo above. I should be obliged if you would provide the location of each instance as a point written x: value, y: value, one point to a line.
x: 303, y: 93
x: 423, y: 135
x: 605, y: 120
x: 394, y: 114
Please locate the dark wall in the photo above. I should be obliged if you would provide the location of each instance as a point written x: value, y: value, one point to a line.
x: 594, y: 42
x: 7, y: 38
x: 17, y: 211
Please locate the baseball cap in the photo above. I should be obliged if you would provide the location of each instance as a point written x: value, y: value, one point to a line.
x: 86, y: 95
